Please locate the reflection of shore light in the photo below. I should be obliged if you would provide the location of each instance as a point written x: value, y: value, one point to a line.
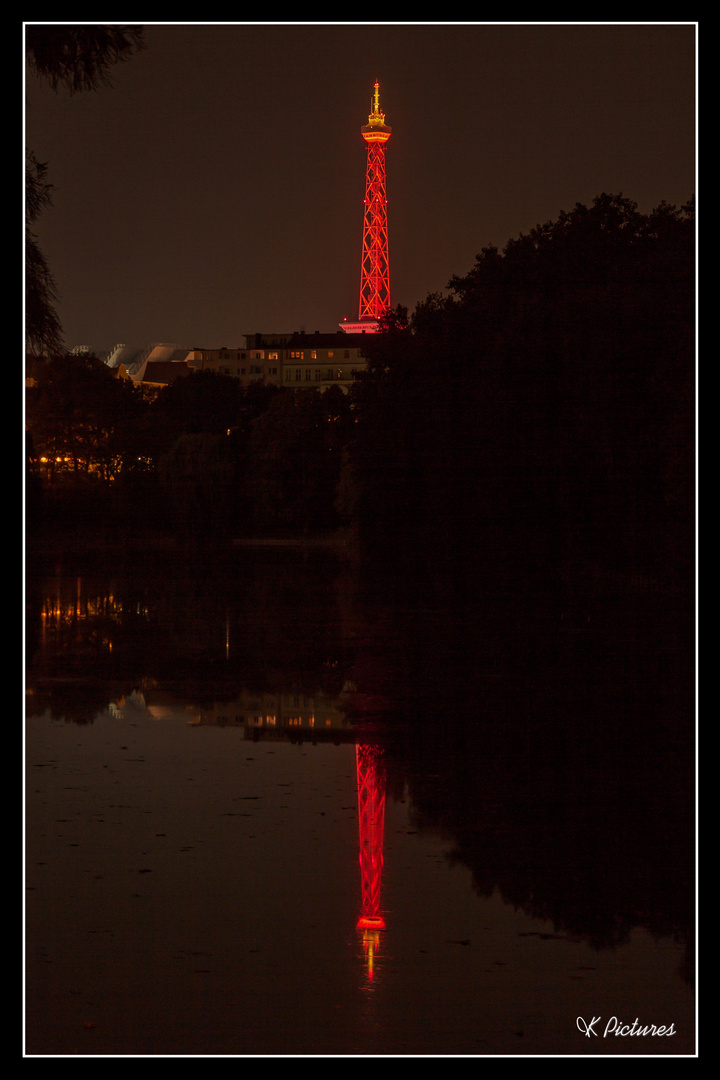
x: 162, y: 712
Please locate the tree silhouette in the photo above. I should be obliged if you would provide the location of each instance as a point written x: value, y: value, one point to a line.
x: 541, y: 415
x: 43, y: 330
x: 292, y: 464
x: 79, y: 57
x: 79, y: 413
x: 198, y: 474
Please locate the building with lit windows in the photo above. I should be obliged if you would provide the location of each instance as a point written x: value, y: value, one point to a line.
x: 290, y: 360
x: 281, y: 715
x: 248, y: 365
x: 318, y: 360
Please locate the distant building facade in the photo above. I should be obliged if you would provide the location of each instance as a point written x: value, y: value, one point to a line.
x: 323, y: 360
x: 291, y: 360
x: 261, y: 364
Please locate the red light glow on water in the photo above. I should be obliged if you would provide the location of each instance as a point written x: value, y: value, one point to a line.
x: 371, y: 817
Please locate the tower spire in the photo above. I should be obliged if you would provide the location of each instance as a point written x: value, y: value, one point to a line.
x: 376, y: 116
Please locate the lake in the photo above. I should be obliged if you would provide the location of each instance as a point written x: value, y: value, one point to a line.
x: 271, y: 811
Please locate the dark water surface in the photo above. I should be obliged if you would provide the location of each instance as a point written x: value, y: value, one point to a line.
x: 229, y: 766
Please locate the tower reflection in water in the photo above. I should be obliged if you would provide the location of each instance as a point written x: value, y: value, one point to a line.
x: 371, y: 818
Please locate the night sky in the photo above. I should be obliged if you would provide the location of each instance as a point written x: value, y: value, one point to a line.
x: 216, y: 188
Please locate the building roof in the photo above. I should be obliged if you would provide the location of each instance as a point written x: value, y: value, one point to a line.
x: 337, y: 340
x: 165, y: 371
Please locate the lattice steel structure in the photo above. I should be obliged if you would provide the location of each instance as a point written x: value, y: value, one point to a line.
x: 375, y: 269
x: 371, y: 819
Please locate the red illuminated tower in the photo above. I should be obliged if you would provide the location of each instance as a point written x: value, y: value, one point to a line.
x: 371, y: 819
x: 375, y: 271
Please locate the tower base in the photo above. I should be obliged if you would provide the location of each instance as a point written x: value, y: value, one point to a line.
x: 371, y: 922
x: 366, y: 327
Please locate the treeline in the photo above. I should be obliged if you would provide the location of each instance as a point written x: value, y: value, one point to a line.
x: 204, y: 458
x: 538, y: 417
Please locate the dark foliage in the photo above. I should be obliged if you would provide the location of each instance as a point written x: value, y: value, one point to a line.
x: 82, y: 418
x: 79, y: 57
x: 43, y: 331
x: 538, y: 421
x: 204, y: 402
x: 294, y: 456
